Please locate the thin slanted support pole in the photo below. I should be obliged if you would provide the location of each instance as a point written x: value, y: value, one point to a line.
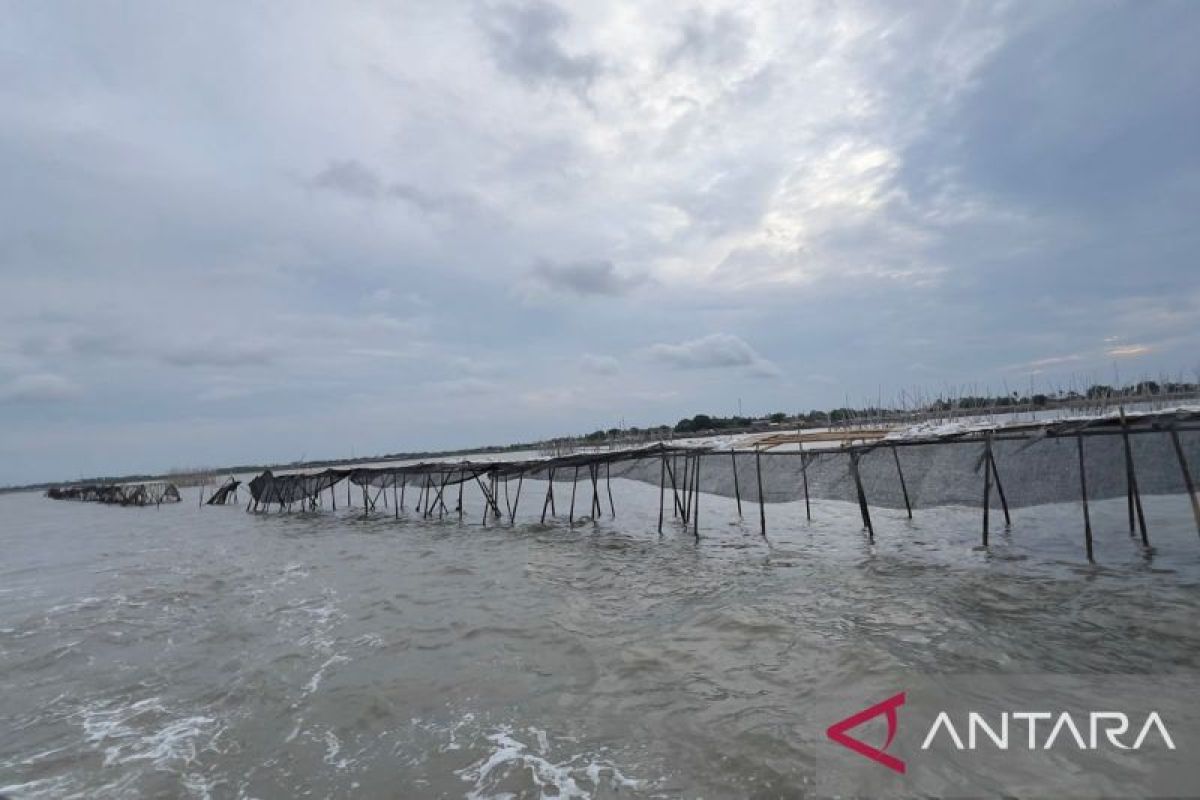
x: 441, y: 495
x: 549, y: 495
x: 333, y: 496
x: 685, y: 509
x: 762, y: 507
x: 737, y: 490
x: 517, y: 500
x: 462, y: 478
x: 483, y: 490
x: 612, y: 509
x: 595, y: 491
x: 663, y: 488
x: 489, y: 501
x: 1187, y: 477
x: 507, y: 503
x: 395, y: 502
x: 1000, y: 488
x: 862, y: 497
x: 403, y: 487
x: 1087, y: 517
x: 366, y: 501
x: 987, y: 484
x: 677, y: 508
x: 696, y: 494
x: 1134, y: 497
x: 574, y: 483
x: 903, y: 485
x: 804, y: 462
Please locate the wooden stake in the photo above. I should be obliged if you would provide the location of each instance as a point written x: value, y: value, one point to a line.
x: 1187, y: 477
x: 595, y: 470
x: 1133, y: 496
x: 737, y: 490
x: 1000, y: 489
x: 762, y: 508
x: 987, y: 484
x: 804, y: 462
x: 903, y: 485
x: 678, y: 507
x: 612, y: 509
x: 574, y: 481
x: 517, y: 501
x: 549, y: 494
x: 696, y: 510
x: 1087, y: 518
x: 663, y: 488
x: 686, y: 509
x: 862, y: 497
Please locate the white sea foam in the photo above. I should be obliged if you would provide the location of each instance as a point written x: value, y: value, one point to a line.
x: 315, y: 681
x: 576, y: 777
x: 147, y: 731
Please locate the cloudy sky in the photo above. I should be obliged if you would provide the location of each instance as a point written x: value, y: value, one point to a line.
x: 240, y: 232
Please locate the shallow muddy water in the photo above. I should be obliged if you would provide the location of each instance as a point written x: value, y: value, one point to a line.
x: 214, y: 653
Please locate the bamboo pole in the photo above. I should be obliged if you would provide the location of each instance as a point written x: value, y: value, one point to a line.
x: 549, y: 493
x: 1087, y: 518
x: 762, y: 508
x: 805, y: 460
x: 612, y: 509
x: 1000, y: 488
x: 903, y: 485
x: 696, y: 510
x: 1133, y: 496
x: 517, y: 501
x: 662, y: 489
x: 574, y: 481
x: 862, y: 497
x: 595, y: 470
x: 674, y: 489
x: 737, y: 490
x: 987, y: 485
x: 1187, y: 477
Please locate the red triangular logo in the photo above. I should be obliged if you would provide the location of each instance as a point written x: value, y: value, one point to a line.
x: 837, y: 732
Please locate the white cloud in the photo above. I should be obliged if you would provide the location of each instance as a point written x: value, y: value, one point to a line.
x: 717, y: 350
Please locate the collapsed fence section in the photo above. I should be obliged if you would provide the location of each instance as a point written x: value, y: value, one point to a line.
x: 150, y: 493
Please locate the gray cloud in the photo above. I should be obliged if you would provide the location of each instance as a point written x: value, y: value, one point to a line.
x: 585, y: 278
x: 43, y: 387
x: 715, y: 351
x: 599, y: 365
x: 222, y: 352
x: 349, y: 177
x: 715, y: 39
x: 524, y: 41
